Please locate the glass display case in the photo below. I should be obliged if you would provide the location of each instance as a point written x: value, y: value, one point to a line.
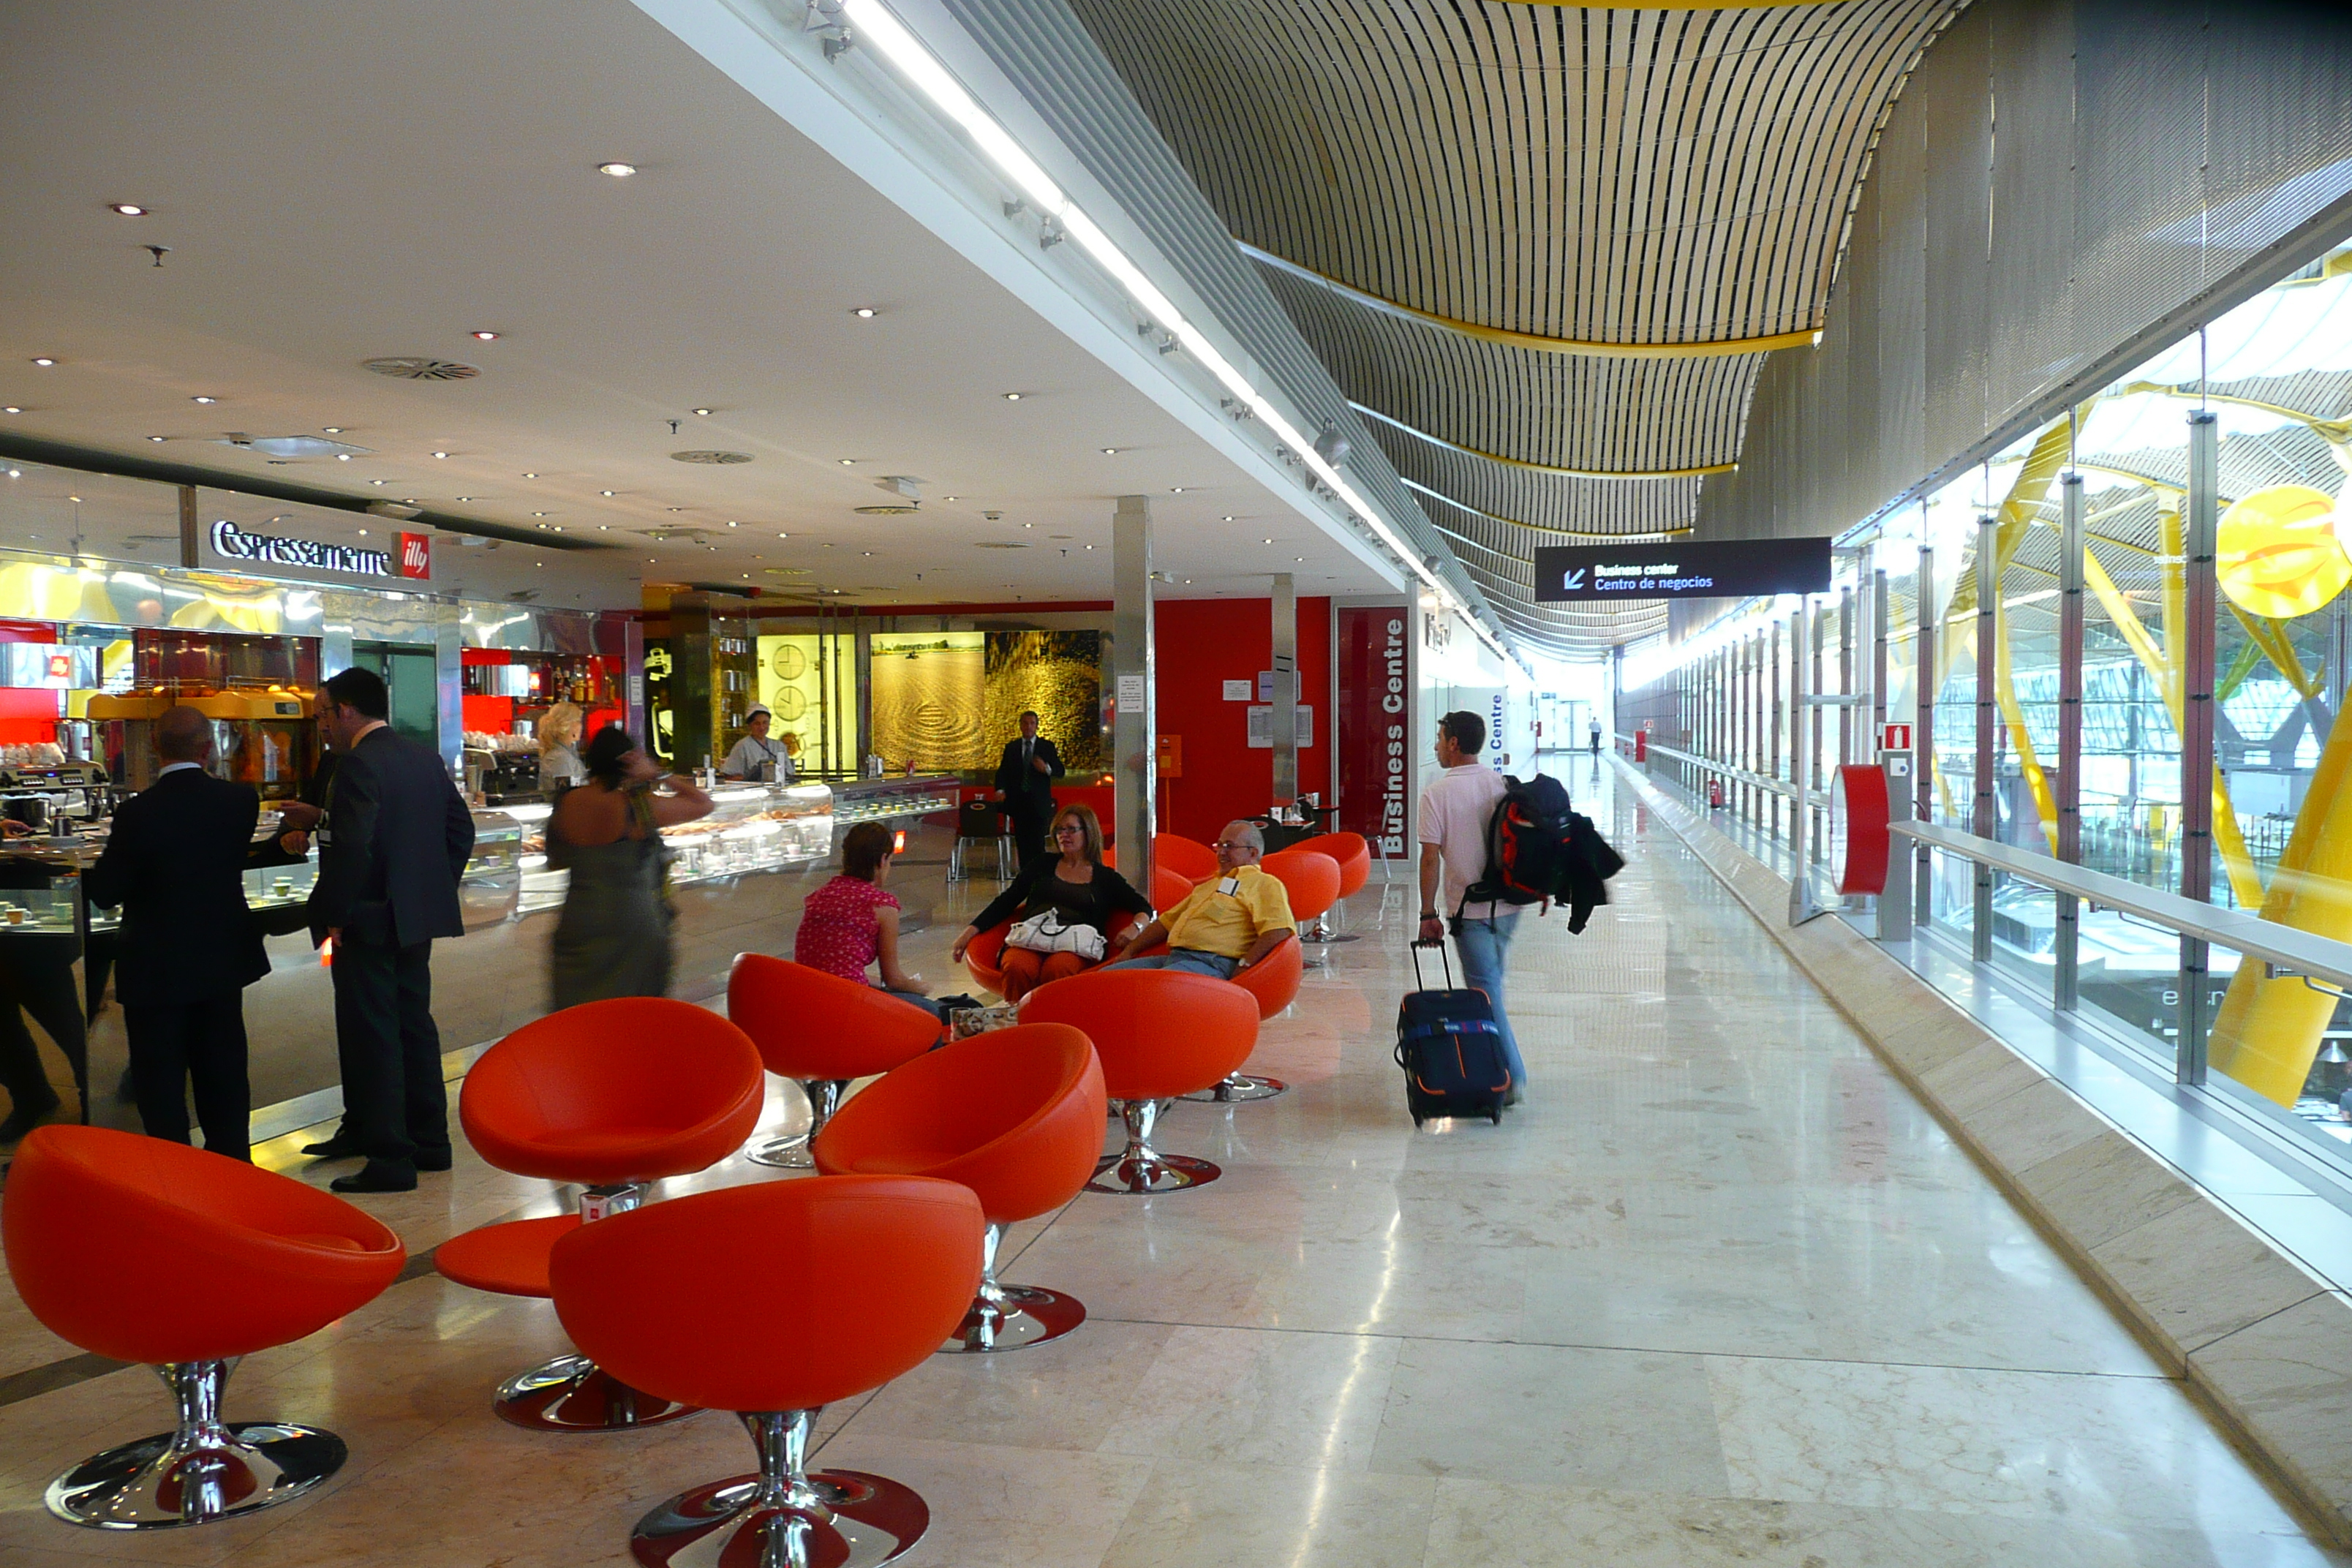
x: 40, y: 894
x: 877, y: 800
x: 755, y: 827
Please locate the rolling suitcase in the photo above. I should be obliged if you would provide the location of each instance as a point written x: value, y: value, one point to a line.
x: 1450, y: 1050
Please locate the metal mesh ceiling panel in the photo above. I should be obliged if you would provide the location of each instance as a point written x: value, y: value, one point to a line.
x: 1625, y: 178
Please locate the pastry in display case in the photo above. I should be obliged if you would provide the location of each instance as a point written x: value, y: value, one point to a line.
x: 751, y: 827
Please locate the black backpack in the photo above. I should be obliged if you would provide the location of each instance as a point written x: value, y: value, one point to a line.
x: 1540, y: 850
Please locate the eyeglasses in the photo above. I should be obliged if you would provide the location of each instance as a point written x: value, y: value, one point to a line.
x: 1069, y: 830
x: 1236, y: 849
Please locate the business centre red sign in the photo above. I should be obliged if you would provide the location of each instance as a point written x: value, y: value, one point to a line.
x: 1375, y: 710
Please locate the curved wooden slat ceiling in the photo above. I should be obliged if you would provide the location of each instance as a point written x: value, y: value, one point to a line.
x: 1528, y: 237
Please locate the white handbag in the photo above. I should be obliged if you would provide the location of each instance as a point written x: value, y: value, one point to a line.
x: 1046, y: 934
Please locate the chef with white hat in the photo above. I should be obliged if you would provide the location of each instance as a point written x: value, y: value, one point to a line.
x: 756, y: 757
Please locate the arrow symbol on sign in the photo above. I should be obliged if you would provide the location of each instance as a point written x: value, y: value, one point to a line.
x: 1575, y: 580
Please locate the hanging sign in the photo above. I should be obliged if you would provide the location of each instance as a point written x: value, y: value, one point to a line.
x: 1680, y: 569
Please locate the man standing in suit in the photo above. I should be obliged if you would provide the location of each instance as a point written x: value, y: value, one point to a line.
x: 1024, y: 781
x: 174, y: 861
x: 393, y: 843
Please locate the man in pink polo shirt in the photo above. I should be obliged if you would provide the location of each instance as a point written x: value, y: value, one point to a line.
x: 1455, y: 811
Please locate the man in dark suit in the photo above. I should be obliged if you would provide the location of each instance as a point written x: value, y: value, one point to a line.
x: 393, y: 843
x: 174, y: 860
x: 1025, y: 782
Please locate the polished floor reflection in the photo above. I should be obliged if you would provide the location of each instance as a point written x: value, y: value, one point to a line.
x: 1720, y: 1293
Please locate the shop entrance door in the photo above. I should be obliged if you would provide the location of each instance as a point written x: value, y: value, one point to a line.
x: 409, y: 675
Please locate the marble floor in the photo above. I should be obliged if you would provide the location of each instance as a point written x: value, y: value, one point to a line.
x: 1720, y: 1293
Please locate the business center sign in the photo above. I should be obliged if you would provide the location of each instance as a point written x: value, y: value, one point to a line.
x: 1725, y: 569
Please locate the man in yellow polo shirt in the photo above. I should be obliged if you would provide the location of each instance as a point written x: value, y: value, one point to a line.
x: 1226, y: 923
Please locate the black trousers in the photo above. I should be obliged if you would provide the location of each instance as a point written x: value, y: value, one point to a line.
x: 1028, y: 819
x: 203, y: 1041
x: 46, y: 992
x: 396, y: 1105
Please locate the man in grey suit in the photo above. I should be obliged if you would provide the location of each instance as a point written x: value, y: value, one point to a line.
x: 393, y: 841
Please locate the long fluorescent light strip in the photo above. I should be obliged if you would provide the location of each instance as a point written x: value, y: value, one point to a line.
x: 877, y: 27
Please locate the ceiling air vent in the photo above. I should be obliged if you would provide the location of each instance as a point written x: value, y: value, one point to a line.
x: 718, y: 457
x: 885, y: 511
x: 410, y: 367
x: 998, y: 544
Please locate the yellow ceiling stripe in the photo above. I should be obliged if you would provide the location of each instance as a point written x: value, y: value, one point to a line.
x: 1715, y: 348
x: 1543, y: 467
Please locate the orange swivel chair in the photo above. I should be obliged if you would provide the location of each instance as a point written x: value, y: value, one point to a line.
x: 1161, y: 1034
x: 1273, y: 985
x: 1353, y: 851
x: 825, y: 1033
x: 1187, y: 858
x: 776, y: 1300
x: 611, y: 1095
x: 1312, y: 880
x: 1015, y: 1115
x: 155, y: 1252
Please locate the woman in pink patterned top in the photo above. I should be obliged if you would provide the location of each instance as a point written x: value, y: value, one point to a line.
x: 851, y: 921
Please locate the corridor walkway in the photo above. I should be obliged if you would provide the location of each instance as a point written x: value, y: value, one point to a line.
x: 1720, y: 1293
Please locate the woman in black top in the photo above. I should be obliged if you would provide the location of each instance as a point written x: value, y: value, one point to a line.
x: 1076, y: 885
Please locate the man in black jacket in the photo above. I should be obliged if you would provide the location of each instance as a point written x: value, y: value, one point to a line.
x: 393, y: 843
x: 174, y: 860
x: 1024, y: 780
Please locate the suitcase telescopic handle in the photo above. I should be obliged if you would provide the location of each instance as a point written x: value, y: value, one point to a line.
x: 1447, y: 962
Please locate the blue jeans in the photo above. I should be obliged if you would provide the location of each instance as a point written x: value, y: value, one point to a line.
x: 1485, y: 948
x: 1188, y: 961
x: 937, y: 1011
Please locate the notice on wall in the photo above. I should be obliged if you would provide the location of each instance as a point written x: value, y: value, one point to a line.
x: 1679, y: 569
x: 1261, y: 726
x: 1130, y: 693
x: 1237, y: 691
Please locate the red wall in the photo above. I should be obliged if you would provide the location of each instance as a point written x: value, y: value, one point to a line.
x: 1202, y: 644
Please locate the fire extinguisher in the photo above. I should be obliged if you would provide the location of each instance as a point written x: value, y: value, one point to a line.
x: 1715, y: 794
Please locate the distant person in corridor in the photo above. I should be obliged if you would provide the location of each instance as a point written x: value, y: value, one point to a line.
x: 1455, y: 811
x: 1596, y: 735
x: 1024, y: 781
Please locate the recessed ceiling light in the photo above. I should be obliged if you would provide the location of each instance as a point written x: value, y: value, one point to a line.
x: 486, y: 337
x: 673, y: 508
x: 848, y: 462
x: 363, y: 533
x: 1028, y: 525
x: 1011, y: 397
x: 15, y: 473
x: 604, y: 528
x: 1110, y: 451
x: 618, y: 170
x: 784, y: 536
x: 604, y: 492
x: 1089, y: 547
x: 332, y: 429
x: 733, y: 523
x: 126, y: 209
x: 198, y: 398
x: 866, y: 553
x: 544, y: 514
x: 44, y: 361
x: 704, y: 412
x: 465, y: 497
x: 714, y: 549
x: 649, y: 560
x: 379, y: 481
x: 530, y: 475
x: 159, y: 438
x: 952, y: 498
x: 1229, y: 518
x: 440, y: 454
x: 1269, y: 542
x: 1175, y: 490
x: 864, y: 313
x: 1299, y: 558
x: 12, y: 408
x: 342, y: 456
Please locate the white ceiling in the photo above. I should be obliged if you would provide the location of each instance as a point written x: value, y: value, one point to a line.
x: 340, y: 181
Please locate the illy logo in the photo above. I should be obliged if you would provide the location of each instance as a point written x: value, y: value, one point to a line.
x: 416, y: 556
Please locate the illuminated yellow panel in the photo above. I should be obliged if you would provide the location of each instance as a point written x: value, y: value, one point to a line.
x: 2278, y: 554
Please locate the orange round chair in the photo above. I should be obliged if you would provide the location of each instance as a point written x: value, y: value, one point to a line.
x: 611, y: 1095
x: 148, y: 1251
x: 1016, y: 1115
x: 1309, y: 877
x: 1187, y: 858
x: 1273, y: 985
x: 1353, y: 851
x: 825, y: 1033
x: 776, y: 1300
x: 1161, y: 1034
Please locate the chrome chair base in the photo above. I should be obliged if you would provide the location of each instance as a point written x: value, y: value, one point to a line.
x: 159, y: 1482
x: 1021, y: 1315
x: 863, y: 1521
x: 1240, y: 1089
x: 789, y: 1152
x: 1139, y: 1174
x: 572, y: 1394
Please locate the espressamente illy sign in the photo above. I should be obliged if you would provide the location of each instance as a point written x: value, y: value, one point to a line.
x: 413, y: 558
x: 1679, y: 569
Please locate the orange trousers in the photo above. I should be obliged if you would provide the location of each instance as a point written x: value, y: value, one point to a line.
x: 1026, y: 970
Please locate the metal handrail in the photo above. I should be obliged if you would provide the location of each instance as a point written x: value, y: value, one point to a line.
x: 2286, y: 949
x: 1780, y: 787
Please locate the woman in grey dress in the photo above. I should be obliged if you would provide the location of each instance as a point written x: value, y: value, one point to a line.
x: 613, y: 937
